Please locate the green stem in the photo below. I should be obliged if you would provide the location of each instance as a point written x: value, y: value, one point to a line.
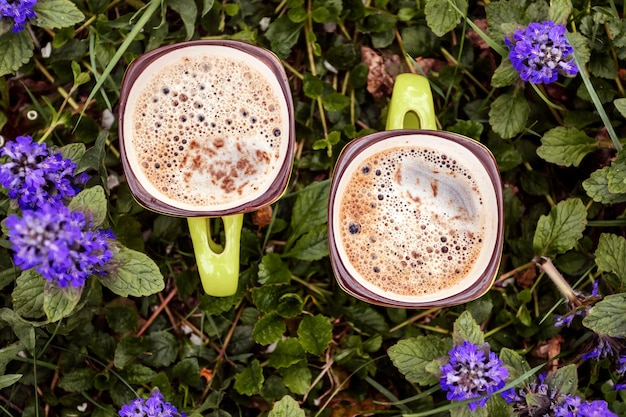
x: 218, y: 268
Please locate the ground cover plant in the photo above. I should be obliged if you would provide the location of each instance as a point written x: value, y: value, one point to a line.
x: 102, y: 312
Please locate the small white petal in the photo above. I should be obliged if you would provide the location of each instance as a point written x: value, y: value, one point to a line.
x: 82, y: 408
x: 329, y: 67
x: 265, y: 23
x: 107, y: 119
x: 46, y: 50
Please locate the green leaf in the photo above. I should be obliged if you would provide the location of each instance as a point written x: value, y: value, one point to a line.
x: 134, y: 274
x: 442, y: 17
x: 23, y: 330
x: 187, y: 371
x: 505, y: 75
x: 80, y: 78
x: 137, y: 373
x: 312, y: 86
x: 559, y: 231
x: 563, y: 381
x: 315, y: 333
x: 411, y: 356
x: 466, y: 328
x: 286, y: 407
x: 565, y: 146
x: 9, y: 379
x: 617, y: 174
x: 608, y: 316
x: 312, y: 246
x: 60, y: 302
x: 188, y: 11
x: 122, y: 318
x: 611, y: 255
x: 78, y: 380
x: 620, y: 105
x: 597, y: 187
x: 269, y: 329
x: 17, y: 49
x: 327, y: 10
x: 581, y: 45
x: 250, y: 380
x: 514, y: 362
x: 266, y: 297
x: 288, y: 352
x: 368, y: 319
x: 231, y: 9
x: 273, y: 270
x: 207, y: 5
x: 94, y: 157
x: 73, y: 151
x: 91, y: 201
x: 309, y: 210
x: 559, y: 11
x: 283, y: 35
x: 54, y: 14
x: 161, y: 349
x: 28, y: 294
x: 128, y: 349
x: 508, y: 114
x: 297, y: 377
x: 335, y: 102
x: 289, y: 305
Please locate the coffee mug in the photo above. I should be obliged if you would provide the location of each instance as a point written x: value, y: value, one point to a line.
x: 415, y: 214
x: 206, y: 132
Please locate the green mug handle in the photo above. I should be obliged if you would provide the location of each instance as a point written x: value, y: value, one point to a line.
x: 411, y: 105
x: 218, y: 266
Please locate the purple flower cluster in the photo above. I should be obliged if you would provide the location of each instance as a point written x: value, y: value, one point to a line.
x: 472, y: 372
x: 575, y: 407
x: 538, y: 399
x: 18, y: 10
x: 152, y: 407
x: 59, y: 243
x: 34, y: 176
x: 541, y: 52
x: 62, y: 245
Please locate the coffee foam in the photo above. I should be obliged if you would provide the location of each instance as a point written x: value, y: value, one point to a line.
x: 208, y: 128
x: 410, y: 219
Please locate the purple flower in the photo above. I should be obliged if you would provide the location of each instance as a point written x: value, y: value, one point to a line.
x: 603, y: 346
x: 575, y: 407
x: 538, y: 399
x: 19, y: 11
x: 537, y: 393
x: 472, y: 372
x: 154, y: 406
x: 59, y: 243
x: 540, y: 53
x: 35, y: 177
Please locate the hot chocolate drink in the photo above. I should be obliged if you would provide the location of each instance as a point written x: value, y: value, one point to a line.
x: 415, y: 218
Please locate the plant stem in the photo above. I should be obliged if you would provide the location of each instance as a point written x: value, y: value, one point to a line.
x: 545, y: 265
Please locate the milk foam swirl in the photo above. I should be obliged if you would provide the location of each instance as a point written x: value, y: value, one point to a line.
x: 208, y: 128
x: 411, y: 221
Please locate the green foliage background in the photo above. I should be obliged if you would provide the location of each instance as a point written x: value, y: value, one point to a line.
x: 291, y: 342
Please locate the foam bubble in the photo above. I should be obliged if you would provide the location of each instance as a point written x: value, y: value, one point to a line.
x: 196, y: 133
x: 415, y: 226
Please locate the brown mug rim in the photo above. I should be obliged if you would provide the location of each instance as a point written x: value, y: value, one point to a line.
x: 277, y: 187
x: 352, y: 286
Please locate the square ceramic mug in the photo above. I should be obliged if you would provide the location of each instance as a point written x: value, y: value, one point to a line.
x: 415, y: 214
